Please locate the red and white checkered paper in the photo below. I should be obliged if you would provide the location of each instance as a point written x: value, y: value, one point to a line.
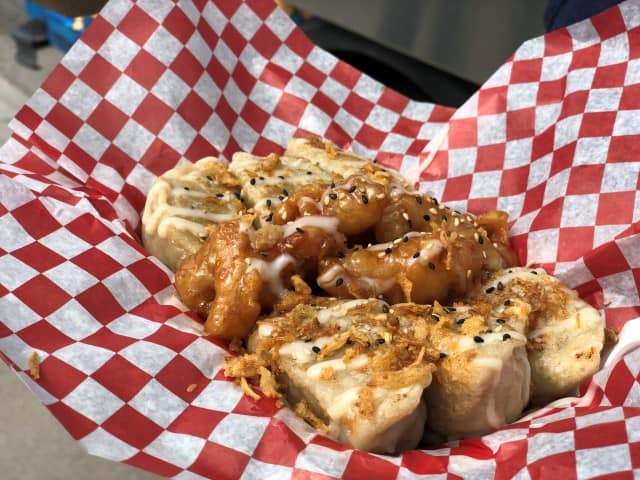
x: 553, y: 137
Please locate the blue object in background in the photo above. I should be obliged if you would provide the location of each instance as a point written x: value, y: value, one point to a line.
x: 62, y: 32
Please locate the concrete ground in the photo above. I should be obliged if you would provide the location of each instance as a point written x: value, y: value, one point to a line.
x: 33, y: 445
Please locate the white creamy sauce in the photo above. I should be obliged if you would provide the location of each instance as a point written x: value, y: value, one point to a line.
x: 271, y: 272
x: 330, y: 275
x: 337, y: 365
x: 343, y: 403
x: 339, y: 312
x: 328, y: 224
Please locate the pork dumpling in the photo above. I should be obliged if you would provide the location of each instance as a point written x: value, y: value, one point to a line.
x: 182, y: 202
x: 483, y: 379
x: 360, y: 379
x: 338, y: 162
x: 565, y: 334
x: 268, y: 181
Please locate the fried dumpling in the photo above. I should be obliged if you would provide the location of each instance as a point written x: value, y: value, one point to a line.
x: 182, y: 202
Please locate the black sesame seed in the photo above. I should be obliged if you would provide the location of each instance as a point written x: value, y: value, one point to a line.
x: 510, y: 271
x: 268, y: 202
x: 340, y: 254
x: 405, y: 239
x: 388, y: 250
x: 431, y: 266
x: 480, y: 240
x: 210, y: 178
x: 261, y: 178
x: 280, y: 177
x: 380, y: 341
x: 435, y: 316
x: 443, y: 355
x: 507, y: 303
x: 252, y: 181
x: 339, y: 282
x: 349, y: 341
x: 506, y: 337
x: 532, y: 271
x: 478, y: 339
x: 237, y: 195
x: 280, y: 197
x: 500, y: 286
x: 365, y: 200
x: 333, y: 196
x: 186, y: 188
x: 444, y: 218
x: 500, y: 321
x: 299, y: 230
x: 385, y: 309
x: 490, y: 289
x: 419, y: 199
x: 416, y: 255
x: 306, y: 340
x: 460, y: 321
x: 316, y: 349
x: 309, y: 173
x: 435, y: 201
x: 410, y: 223
x: 426, y: 217
x: 219, y: 195
x: 449, y: 309
x: 284, y: 192
x: 333, y: 185
x: 269, y: 218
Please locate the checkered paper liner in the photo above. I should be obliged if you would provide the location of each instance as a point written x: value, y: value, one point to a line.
x: 551, y: 138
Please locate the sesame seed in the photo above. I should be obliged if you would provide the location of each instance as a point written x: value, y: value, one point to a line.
x: 449, y: 309
x: 284, y: 192
x: 478, y: 339
x: 252, y: 181
x: 490, y: 289
x: 534, y: 272
x: 381, y: 254
x: 480, y: 240
x: 507, y: 303
x: 333, y: 185
x: 280, y: 177
x: 456, y: 222
x: 506, y: 337
x: 484, y: 254
x: 210, y: 178
x: 380, y: 341
x: 426, y: 217
x: 339, y: 281
x: 352, y: 189
x: 433, y: 211
x: 247, y: 261
x: 299, y: 230
x: 416, y: 255
x: 460, y: 321
x: 435, y: 316
x: 280, y: 197
x: 510, y: 271
x: 431, y: 266
x: 387, y: 250
x: 500, y: 321
x: 309, y: 173
x: 444, y: 218
x: 187, y: 188
x: 326, y: 200
x: 469, y: 272
x: 405, y: 215
x: 434, y: 200
x: 500, y: 286
x: 405, y: 239
x: 443, y: 355
x: 268, y: 202
x: 409, y: 223
x: 385, y: 309
x: 419, y: 199
x: 269, y: 217
x: 476, y: 236
x: 306, y: 340
x: 219, y: 195
x: 380, y: 196
x: 365, y: 200
x: 261, y: 178
x: 316, y: 349
x: 340, y: 254
x: 333, y: 196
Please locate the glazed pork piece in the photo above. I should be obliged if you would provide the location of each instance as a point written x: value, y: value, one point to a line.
x: 565, y: 335
x: 182, y: 202
x: 347, y: 370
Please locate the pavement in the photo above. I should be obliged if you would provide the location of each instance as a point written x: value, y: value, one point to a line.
x: 33, y: 445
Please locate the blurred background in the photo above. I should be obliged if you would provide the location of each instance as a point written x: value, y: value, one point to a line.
x: 430, y: 50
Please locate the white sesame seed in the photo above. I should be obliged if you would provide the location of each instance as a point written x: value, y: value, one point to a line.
x: 405, y: 215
